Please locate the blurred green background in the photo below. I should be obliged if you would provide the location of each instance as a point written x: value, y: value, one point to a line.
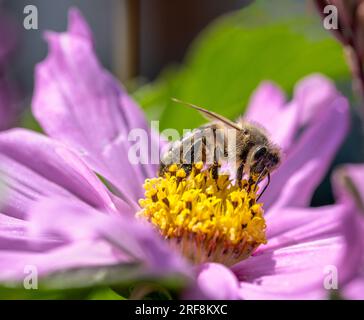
x: 278, y: 40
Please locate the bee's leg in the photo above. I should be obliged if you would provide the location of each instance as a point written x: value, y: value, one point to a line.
x: 265, y: 187
x: 255, y: 182
x: 188, y: 155
x: 251, y: 182
x: 215, y: 166
x: 261, y: 176
x: 187, y: 167
x: 239, y: 174
x: 215, y: 170
x: 162, y: 169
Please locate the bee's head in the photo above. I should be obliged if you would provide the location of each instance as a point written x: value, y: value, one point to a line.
x: 262, y: 158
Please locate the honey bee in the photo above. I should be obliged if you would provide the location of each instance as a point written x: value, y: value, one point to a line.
x: 252, y: 153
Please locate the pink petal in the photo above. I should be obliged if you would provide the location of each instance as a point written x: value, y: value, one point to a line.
x: 86, y: 238
x: 291, y: 226
x: 132, y: 240
x: 301, y: 244
x: 14, y: 237
x: 267, y: 107
x: 267, y: 101
x: 355, y: 289
x: 353, y: 257
x: 313, y: 94
x: 34, y: 166
x: 77, y: 25
x: 214, y: 281
x: 250, y: 291
x: 294, y: 272
x: 349, y: 189
x: 309, y: 159
x: 86, y: 253
x: 141, y: 241
x: 348, y: 183
x: 76, y: 220
x: 80, y: 103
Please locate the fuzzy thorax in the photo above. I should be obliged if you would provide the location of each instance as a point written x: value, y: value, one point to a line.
x: 206, y: 219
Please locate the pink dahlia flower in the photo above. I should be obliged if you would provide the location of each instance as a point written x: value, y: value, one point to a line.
x: 58, y: 215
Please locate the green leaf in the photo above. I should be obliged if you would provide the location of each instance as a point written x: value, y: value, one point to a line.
x: 94, y: 283
x: 18, y: 293
x: 104, y: 294
x: 238, y: 51
x: 28, y: 121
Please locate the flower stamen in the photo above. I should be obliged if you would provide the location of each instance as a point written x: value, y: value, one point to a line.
x: 206, y: 219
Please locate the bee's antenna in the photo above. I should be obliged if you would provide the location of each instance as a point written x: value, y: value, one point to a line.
x: 261, y: 174
x: 257, y: 181
x: 265, y: 187
x: 210, y: 115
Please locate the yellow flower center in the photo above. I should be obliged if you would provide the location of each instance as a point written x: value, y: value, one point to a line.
x: 207, y: 219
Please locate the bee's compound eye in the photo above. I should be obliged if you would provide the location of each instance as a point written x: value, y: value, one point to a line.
x: 259, y: 153
x: 274, y: 159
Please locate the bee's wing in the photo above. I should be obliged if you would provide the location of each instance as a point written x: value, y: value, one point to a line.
x: 209, y: 115
x: 195, y: 150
